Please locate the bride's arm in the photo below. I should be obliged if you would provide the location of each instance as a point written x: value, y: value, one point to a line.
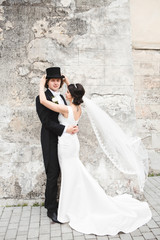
x: 53, y: 106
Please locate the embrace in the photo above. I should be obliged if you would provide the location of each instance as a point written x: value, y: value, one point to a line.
x: 82, y: 201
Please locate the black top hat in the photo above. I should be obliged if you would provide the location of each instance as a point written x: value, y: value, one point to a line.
x: 53, y: 72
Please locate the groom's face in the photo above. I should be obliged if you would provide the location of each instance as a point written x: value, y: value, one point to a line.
x: 54, y: 84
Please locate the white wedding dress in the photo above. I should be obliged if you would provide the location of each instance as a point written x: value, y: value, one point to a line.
x: 83, y: 203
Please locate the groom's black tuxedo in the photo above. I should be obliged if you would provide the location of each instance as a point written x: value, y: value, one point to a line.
x: 50, y: 131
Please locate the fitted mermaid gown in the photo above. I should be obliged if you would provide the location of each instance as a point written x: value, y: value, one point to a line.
x: 83, y: 203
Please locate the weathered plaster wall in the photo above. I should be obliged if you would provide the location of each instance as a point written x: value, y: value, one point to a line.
x: 91, y: 42
x: 145, y: 18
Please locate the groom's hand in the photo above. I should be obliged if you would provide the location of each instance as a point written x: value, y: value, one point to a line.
x: 72, y: 129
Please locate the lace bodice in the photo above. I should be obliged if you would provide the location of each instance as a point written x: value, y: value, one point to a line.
x: 70, y: 120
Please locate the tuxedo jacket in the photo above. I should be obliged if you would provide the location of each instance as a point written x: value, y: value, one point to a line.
x: 50, y: 130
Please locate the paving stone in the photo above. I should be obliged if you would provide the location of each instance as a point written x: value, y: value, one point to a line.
x: 36, y: 210
x: 148, y: 235
x: 2, y: 235
x: 3, y: 223
x: 34, y: 225
x: 55, y: 227
x: 75, y: 233
x: 21, y: 237
x: 48, y: 220
x: 144, y: 229
x: 9, y: 238
x: 13, y: 226
x: 45, y: 221
x: 79, y: 238
x: 34, y: 238
x: 35, y: 218
x: 22, y: 228
x: 45, y: 229
x: 44, y: 237
x: 33, y: 233
x: 125, y: 237
x: 11, y: 233
x: 152, y: 224
x: 17, y: 210
x: 6, y: 215
x: 155, y: 213
x: 90, y: 236
x: 67, y: 236
x: 136, y: 233
x: 94, y: 238
x: 25, y: 219
x: 57, y: 238
x: 8, y: 209
x: 3, y: 229
x: 115, y: 238
x: 156, y: 231
x: 25, y: 214
x: 156, y: 219
x: 24, y: 232
x: 138, y: 238
x: 1, y: 210
x: 26, y: 224
x: 56, y: 233
x: 66, y: 228
x: 15, y: 219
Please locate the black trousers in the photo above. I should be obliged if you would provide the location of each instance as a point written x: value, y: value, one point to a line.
x: 52, y: 173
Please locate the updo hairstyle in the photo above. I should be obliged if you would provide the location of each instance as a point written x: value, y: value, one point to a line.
x: 77, y: 91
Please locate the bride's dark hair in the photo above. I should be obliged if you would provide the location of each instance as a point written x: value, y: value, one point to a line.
x: 77, y: 91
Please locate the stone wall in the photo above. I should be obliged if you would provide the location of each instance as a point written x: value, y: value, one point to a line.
x: 147, y: 102
x: 91, y: 42
x: 146, y: 63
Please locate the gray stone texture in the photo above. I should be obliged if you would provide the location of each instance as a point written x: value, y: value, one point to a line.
x: 91, y: 42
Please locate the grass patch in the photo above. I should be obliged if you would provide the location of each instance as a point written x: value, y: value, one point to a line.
x: 17, y: 205
x: 154, y: 174
x: 36, y: 204
x: 24, y: 204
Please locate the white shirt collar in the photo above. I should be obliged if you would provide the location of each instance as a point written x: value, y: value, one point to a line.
x: 54, y: 93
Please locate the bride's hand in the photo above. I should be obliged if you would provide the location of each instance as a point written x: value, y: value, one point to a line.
x: 65, y: 80
x: 43, y: 80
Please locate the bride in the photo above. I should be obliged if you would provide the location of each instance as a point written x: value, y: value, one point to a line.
x: 82, y: 202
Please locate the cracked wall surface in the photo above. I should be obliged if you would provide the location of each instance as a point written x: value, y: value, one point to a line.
x: 90, y: 41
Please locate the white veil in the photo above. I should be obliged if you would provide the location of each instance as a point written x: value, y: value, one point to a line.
x: 126, y: 153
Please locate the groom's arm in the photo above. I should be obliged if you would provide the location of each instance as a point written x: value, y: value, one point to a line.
x: 44, y: 117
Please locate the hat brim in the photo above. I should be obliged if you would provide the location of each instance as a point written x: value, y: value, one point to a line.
x: 54, y: 76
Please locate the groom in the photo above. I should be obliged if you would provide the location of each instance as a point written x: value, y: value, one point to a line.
x: 50, y: 131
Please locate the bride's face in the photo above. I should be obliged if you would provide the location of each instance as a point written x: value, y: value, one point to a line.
x: 68, y: 95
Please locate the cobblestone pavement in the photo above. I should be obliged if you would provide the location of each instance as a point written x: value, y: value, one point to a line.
x: 21, y: 223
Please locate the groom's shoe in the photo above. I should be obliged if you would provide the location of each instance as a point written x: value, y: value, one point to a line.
x: 53, y: 216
